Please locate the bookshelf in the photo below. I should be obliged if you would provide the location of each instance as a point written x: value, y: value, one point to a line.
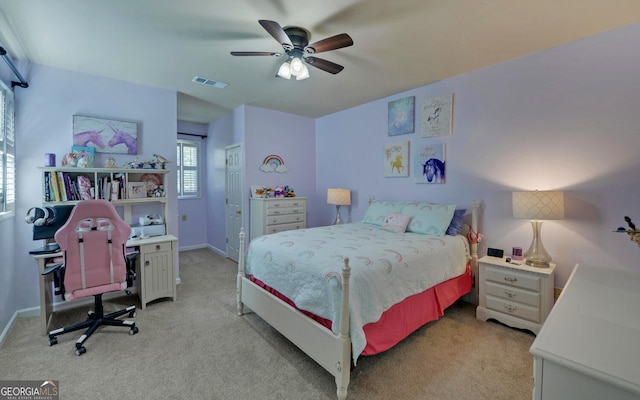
x: 122, y: 187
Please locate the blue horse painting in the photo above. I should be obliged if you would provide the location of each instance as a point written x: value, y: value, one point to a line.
x: 433, y: 170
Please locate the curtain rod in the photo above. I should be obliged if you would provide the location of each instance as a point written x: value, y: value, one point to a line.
x: 23, y: 83
x: 193, y: 134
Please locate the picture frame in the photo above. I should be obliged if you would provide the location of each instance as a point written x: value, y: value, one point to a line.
x: 401, y: 116
x: 396, y: 159
x: 105, y: 135
x: 137, y: 190
x: 255, y: 189
x: 437, y: 116
x: 429, y: 164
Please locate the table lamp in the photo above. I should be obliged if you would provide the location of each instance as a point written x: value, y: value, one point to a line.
x: 339, y: 197
x: 538, y: 206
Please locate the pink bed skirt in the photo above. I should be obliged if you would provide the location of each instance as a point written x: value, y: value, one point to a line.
x: 402, y: 319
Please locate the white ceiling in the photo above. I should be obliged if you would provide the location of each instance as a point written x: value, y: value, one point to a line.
x: 398, y: 44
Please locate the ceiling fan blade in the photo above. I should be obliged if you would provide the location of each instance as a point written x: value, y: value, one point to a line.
x: 330, y: 43
x: 255, y: 53
x: 324, y: 65
x: 277, y: 32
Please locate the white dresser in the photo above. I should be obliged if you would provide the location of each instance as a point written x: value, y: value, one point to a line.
x: 515, y: 294
x: 589, y: 347
x: 277, y: 214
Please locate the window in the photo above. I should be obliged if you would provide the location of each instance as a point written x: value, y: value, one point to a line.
x: 188, y: 168
x: 7, y: 153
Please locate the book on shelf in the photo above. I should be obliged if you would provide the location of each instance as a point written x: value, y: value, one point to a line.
x: 63, y: 192
x: 54, y: 186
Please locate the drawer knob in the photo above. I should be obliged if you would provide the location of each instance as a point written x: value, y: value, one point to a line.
x: 276, y: 212
x: 510, y: 294
x: 510, y: 308
x: 510, y: 280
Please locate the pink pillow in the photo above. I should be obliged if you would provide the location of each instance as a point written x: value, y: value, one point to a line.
x: 395, y: 222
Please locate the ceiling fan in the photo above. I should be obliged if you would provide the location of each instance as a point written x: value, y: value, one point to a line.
x: 295, y: 42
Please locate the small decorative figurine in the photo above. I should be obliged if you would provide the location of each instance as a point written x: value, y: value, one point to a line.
x: 110, y: 162
x: 160, y: 160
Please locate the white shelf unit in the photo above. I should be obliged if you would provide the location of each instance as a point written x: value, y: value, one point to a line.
x: 97, y: 175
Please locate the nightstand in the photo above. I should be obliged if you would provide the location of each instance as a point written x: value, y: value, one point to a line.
x: 520, y: 296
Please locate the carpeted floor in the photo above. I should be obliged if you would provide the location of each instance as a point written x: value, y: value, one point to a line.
x: 198, y: 348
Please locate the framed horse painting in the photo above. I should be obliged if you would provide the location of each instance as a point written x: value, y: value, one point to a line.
x: 396, y: 159
x: 105, y: 135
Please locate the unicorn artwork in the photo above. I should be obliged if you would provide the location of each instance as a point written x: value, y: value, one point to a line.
x: 105, y: 135
x: 85, y: 138
x: 121, y: 137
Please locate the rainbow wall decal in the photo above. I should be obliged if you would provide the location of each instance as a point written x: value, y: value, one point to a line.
x: 272, y: 163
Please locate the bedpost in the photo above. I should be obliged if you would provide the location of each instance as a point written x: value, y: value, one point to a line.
x: 474, y: 227
x: 344, y: 366
x: 240, y: 273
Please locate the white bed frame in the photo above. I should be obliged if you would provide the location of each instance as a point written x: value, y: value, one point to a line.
x: 331, y: 351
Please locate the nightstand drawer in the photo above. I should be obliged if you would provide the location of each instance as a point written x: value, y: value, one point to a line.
x: 512, y: 278
x: 513, y: 294
x: 512, y: 308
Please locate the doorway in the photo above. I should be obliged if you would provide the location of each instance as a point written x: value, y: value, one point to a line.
x: 233, y: 203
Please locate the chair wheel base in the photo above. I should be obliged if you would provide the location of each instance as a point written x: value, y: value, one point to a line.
x: 80, y: 350
x: 53, y: 340
x: 133, y: 330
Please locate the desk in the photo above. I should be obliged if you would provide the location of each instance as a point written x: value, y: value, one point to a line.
x: 155, y: 274
x: 588, y: 348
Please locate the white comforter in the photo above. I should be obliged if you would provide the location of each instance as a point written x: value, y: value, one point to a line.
x: 305, y: 265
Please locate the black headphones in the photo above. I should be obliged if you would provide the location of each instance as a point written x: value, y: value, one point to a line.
x: 40, y: 216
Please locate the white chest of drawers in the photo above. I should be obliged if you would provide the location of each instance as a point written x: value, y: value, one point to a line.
x: 272, y: 215
x: 517, y: 295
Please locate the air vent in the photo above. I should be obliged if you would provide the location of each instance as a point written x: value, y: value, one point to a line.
x: 210, y: 82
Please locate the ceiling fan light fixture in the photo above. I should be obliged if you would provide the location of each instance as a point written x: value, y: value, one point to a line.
x: 304, y: 74
x: 296, y: 66
x: 285, y: 70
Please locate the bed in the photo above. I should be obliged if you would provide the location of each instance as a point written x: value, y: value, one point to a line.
x: 345, y: 291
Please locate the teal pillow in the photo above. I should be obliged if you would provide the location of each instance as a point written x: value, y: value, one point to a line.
x: 429, y: 218
x: 378, y: 210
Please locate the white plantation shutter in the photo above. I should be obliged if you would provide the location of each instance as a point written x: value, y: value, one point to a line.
x: 188, y: 157
x: 7, y: 152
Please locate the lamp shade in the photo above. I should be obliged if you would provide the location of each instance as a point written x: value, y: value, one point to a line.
x: 341, y: 197
x: 538, y: 205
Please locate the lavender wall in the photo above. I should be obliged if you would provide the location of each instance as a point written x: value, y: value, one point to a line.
x: 293, y: 139
x: 565, y: 118
x: 262, y: 132
x: 191, y: 212
x: 44, y: 125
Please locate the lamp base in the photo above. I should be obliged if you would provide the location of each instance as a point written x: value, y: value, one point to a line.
x: 338, y: 220
x: 537, y: 256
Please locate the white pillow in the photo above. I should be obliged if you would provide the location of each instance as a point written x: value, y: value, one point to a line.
x: 395, y: 222
x: 429, y: 218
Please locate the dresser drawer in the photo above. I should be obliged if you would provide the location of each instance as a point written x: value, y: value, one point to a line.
x: 512, y: 308
x: 285, y: 219
x: 512, y: 278
x: 277, y: 204
x: 285, y: 227
x: 285, y: 210
x: 512, y: 293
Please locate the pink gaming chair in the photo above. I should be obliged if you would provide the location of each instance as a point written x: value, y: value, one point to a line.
x: 93, y: 243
